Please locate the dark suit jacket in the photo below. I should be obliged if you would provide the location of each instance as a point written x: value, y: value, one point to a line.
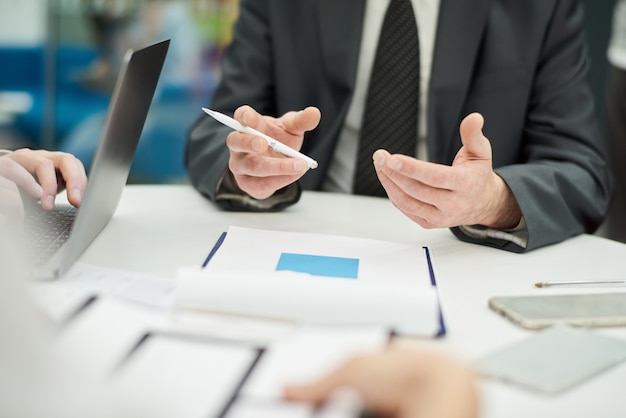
x: 522, y: 64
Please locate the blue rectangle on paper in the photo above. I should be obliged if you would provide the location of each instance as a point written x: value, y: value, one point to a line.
x: 318, y: 265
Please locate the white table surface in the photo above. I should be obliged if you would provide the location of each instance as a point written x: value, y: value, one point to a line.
x: 158, y: 229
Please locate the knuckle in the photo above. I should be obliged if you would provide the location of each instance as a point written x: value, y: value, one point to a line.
x: 46, y: 163
x: 252, y: 164
x: 66, y: 155
x: 23, y: 151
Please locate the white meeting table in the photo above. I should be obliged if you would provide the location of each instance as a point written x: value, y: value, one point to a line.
x: 157, y: 229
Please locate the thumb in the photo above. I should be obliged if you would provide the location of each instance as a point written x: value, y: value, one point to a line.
x: 476, y: 145
x: 297, y: 123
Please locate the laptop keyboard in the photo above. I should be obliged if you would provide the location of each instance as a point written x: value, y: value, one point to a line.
x: 47, y: 231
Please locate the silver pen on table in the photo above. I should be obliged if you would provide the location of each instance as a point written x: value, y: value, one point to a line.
x: 581, y: 283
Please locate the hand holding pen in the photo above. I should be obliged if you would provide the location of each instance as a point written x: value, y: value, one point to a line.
x: 259, y: 165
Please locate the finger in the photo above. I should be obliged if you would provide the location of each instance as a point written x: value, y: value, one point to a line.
x: 288, y: 129
x: 247, y: 116
x: 297, y: 123
x: 47, y: 177
x: 73, y: 173
x: 264, y: 166
x: 317, y: 392
x: 41, y: 165
x: 16, y: 173
x: 435, y: 175
x: 313, y: 393
x: 11, y: 204
x: 418, y: 201
x: 412, y: 196
x: 415, y: 189
x: 476, y: 144
x: 263, y: 187
x: 418, y: 211
x: 407, y: 172
x: 246, y: 143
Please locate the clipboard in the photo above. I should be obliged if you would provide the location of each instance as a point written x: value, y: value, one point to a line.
x: 439, y: 333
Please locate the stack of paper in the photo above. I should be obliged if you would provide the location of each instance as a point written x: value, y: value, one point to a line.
x: 181, y: 377
x: 315, y: 278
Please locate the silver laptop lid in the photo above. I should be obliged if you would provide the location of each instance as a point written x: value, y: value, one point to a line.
x: 126, y: 115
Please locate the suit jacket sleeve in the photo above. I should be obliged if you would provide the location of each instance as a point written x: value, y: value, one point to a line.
x: 247, y: 79
x: 560, y: 179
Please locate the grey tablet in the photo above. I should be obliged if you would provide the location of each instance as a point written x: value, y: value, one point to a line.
x: 554, y: 359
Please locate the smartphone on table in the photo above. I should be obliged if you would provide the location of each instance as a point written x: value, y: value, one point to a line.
x: 585, y: 310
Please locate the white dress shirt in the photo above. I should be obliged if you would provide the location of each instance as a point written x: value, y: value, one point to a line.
x: 617, y: 46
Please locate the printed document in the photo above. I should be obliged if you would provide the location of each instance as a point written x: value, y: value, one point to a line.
x: 315, y: 279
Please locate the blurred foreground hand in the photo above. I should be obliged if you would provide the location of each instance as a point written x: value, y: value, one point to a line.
x: 399, y: 383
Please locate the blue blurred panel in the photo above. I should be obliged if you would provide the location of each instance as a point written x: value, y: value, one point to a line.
x: 161, y: 149
x: 23, y: 69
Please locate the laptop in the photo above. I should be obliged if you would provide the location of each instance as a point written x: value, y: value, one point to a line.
x: 72, y: 230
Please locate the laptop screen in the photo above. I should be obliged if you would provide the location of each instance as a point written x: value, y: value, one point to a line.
x: 111, y: 165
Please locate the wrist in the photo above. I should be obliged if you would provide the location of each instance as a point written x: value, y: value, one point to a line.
x: 504, y: 211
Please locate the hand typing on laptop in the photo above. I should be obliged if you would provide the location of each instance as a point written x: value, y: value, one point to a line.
x: 42, y: 174
x: 55, y: 239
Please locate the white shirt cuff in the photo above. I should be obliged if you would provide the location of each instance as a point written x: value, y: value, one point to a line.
x: 517, y: 235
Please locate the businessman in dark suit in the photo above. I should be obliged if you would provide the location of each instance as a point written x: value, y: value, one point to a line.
x: 509, y: 153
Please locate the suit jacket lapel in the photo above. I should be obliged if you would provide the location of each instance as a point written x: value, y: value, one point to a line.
x: 340, y: 23
x: 459, y: 33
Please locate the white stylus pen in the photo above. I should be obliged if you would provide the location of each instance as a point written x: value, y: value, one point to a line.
x: 276, y: 145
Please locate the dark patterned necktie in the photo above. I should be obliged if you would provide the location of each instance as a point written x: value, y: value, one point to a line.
x: 391, y: 108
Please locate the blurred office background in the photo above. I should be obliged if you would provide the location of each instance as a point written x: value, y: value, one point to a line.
x: 59, y: 60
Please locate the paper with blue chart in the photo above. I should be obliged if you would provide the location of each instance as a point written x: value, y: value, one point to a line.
x: 315, y: 278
